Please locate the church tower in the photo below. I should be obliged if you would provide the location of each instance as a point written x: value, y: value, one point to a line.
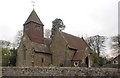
x: 34, y: 28
x: 33, y: 49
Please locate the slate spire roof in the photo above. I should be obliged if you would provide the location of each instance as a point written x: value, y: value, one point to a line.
x: 33, y: 17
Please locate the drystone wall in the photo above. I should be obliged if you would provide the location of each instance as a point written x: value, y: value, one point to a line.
x: 60, y: 71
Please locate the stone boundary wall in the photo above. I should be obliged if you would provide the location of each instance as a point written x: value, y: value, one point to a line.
x: 59, y: 71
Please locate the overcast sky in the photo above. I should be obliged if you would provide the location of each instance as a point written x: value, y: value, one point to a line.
x: 81, y: 17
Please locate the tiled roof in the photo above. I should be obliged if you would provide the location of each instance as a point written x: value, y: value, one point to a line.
x: 82, y: 54
x: 117, y: 57
x: 79, y: 55
x: 40, y: 48
x: 77, y: 43
x: 47, y: 41
x: 33, y: 17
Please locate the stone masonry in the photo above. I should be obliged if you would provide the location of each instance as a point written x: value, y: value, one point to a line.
x: 60, y: 71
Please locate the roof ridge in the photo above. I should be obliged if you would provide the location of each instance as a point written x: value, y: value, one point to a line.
x: 67, y: 41
x: 71, y: 35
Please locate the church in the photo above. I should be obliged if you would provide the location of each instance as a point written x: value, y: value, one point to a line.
x: 62, y: 50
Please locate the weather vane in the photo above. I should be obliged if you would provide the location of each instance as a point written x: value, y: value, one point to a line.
x: 33, y: 3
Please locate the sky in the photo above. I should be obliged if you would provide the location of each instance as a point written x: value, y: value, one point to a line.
x: 81, y: 17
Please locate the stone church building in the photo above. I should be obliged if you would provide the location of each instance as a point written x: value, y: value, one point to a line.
x: 62, y: 50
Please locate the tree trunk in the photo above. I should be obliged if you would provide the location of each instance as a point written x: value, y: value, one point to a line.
x: 98, y: 51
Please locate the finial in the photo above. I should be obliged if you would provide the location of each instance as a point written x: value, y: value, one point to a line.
x: 33, y: 3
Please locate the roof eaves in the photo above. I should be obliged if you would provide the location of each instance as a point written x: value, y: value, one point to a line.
x: 42, y: 52
x: 33, y: 22
x: 72, y: 48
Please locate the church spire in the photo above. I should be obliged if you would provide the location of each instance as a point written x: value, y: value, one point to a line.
x: 34, y: 28
x: 33, y: 17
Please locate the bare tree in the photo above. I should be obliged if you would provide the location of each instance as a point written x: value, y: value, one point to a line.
x: 57, y: 24
x: 115, y: 44
x: 17, y: 39
x: 5, y: 44
x: 96, y: 43
x: 47, y: 33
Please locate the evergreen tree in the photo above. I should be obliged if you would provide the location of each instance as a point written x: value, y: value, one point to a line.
x: 13, y: 57
x: 57, y: 25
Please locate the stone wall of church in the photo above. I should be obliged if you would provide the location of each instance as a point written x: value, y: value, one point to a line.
x: 19, y: 60
x: 42, y: 59
x: 58, y: 48
x: 70, y: 53
x: 24, y: 52
x: 61, y: 71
